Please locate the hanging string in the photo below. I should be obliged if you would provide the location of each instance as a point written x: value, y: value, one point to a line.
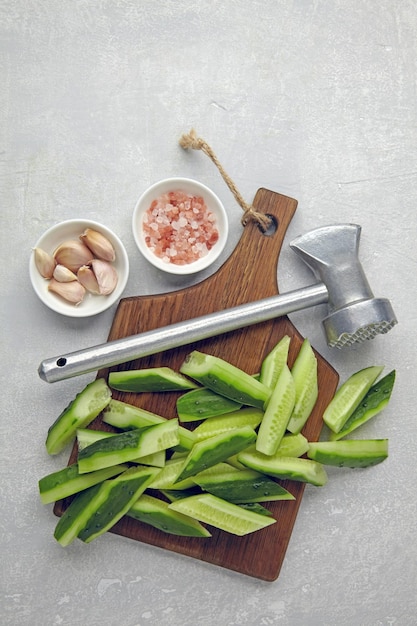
x: 191, y: 140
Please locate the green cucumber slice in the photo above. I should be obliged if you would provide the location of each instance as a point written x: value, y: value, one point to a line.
x: 68, y: 481
x: 350, y: 452
x: 203, y: 403
x: 156, y: 513
x: 348, y: 397
x: 79, y: 413
x: 373, y: 403
x: 225, y: 379
x: 292, y: 445
x: 120, y: 493
x: 127, y: 416
x: 285, y: 467
x: 304, y: 373
x: 274, y: 362
x: 277, y: 413
x: 256, y: 507
x: 209, y: 452
x: 86, y: 504
x: 166, y: 479
x: 221, y: 514
x: 242, y: 486
x: 128, y: 446
x: 249, y: 416
x: 149, y: 379
x: 87, y: 436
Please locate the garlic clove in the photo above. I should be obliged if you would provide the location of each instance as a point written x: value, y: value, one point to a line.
x: 99, y: 245
x: 44, y: 262
x: 106, y: 276
x: 72, y: 292
x: 88, y: 279
x: 73, y: 254
x: 63, y: 275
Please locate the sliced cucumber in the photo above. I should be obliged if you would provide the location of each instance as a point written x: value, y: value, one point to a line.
x: 350, y: 452
x: 119, y: 493
x: 224, y: 515
x: 285, y: 467
x: 167, y: 477
x: 256, y: 507
x: 87, y: 436
x: 304, y: 373
x: 292, y: 445
x: 277, y: 413
x: 80, y: 412
x: 156, y: 513
x: 203, y: 403
x: 225, y: 379
x: 274, y: 362
x: 249, y: 416
x: 68, y: 481
x: 348, y: 397
x: 149, y: 379
x: 128, y: 446
x: 84, y: 507
x: 373, y: 403
x: 242, y: 487
x: 127, y: 416
x: 209, y: 452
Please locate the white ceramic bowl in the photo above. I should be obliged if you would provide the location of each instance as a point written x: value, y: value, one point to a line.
x: 191, y: 187
x: 91, y: 304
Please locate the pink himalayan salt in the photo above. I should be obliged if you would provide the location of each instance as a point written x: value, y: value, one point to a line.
x: 179, y: 228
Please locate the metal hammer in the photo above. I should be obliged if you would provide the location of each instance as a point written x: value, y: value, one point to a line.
x: 331, y: 252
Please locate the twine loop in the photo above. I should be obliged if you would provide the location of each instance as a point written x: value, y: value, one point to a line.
x: 191, y: 140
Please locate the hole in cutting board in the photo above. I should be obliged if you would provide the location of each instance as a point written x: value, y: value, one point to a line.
x: 272, y: 228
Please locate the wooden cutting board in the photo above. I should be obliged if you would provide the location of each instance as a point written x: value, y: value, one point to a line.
x: 249, y: 274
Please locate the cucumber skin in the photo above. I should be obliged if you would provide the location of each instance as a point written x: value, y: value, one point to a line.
x: 120, y: 494
x: 373, y: 403
x: 209, y: 452
x: 156, y: 513
x: 286, y: 468
x: 76, y: 415
x: 86, y: 436
x: 149, y: 380
x: 76, y: 515
x: 203, y: 403
x: 68, y: 481
x: 353, y: 453
x: 225, y: 379
x: 125, y: 447
x: 339, y: 410
x: 243, y: 487
x: 127, y: 416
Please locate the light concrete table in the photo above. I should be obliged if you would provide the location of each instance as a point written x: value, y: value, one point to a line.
x: 312, y: 99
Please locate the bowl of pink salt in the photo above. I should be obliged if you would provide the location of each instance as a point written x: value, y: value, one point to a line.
x: 180, y: 225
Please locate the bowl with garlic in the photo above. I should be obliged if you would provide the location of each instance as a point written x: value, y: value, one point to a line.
x: 79, y: 268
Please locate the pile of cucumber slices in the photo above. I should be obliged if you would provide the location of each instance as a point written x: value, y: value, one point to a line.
x: 246, y: 433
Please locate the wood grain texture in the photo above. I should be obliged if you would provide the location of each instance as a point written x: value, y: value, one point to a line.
x: 249, y: 274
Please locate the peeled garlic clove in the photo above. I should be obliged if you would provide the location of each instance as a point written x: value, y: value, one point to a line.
x: 99, y: 245
x: 44, y: 262
x: 106, y: 276
x: 88, y: 279
x: 63, y: 275
x: 72, y: 292
x: 73, y: 254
